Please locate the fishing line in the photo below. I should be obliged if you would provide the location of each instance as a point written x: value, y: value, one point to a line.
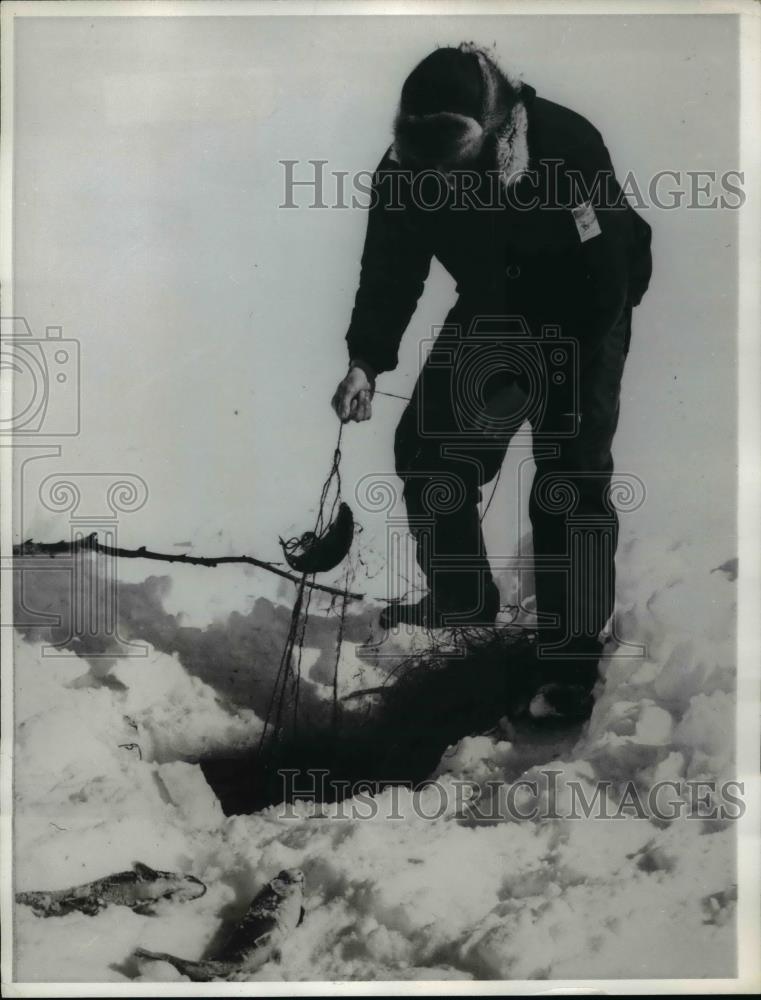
x: 406, y: 399
x: 289, y: 668
x: 491, y: 497
x: 339, y: 643
x: 391, y: 395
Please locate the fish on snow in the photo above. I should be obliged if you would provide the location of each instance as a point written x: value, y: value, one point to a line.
x: 273, y: 913
x: 140, y: 889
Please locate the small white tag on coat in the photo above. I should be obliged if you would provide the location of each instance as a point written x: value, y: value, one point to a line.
x: 587, y: 225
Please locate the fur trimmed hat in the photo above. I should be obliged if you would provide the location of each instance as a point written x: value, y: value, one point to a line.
x: 451, y: 102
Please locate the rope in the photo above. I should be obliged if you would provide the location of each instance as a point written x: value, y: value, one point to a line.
x: 339, y: 642
x: 335, y: 473
x: 391, y: 395
x: 297, y: 672
x: 289, y: 668
x: 281, y: 679
x: 405, y: 399
x: 309, y: 538
x: 491, y: 497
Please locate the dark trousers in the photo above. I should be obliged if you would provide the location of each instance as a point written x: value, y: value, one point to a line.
x: 449, y: 444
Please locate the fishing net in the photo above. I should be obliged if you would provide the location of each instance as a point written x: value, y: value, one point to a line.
x: 315, y: 551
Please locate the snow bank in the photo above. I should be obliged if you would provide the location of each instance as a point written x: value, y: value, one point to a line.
x: 106, y: 775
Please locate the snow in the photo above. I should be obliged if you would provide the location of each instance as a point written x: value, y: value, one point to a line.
x: 106, y: 751
x: 106, y: 773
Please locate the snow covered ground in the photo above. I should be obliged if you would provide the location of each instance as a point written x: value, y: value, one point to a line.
x: 183, y: 297
x: 106, y: 774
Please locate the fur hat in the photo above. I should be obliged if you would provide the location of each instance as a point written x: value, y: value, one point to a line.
x: 451, y: 102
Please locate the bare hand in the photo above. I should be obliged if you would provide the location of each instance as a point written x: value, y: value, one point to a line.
x: 352, y: 399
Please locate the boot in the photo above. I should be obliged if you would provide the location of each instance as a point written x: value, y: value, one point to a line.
x: 564, y: 686
x: 561, y: 702
x: 442, y: 612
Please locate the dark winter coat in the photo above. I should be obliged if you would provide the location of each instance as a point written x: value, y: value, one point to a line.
x: 506, y: 259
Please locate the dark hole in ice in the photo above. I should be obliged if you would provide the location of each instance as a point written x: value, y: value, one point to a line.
x: 395, y: 738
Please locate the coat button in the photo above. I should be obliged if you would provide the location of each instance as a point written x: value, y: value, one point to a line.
x: 513, y: 271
